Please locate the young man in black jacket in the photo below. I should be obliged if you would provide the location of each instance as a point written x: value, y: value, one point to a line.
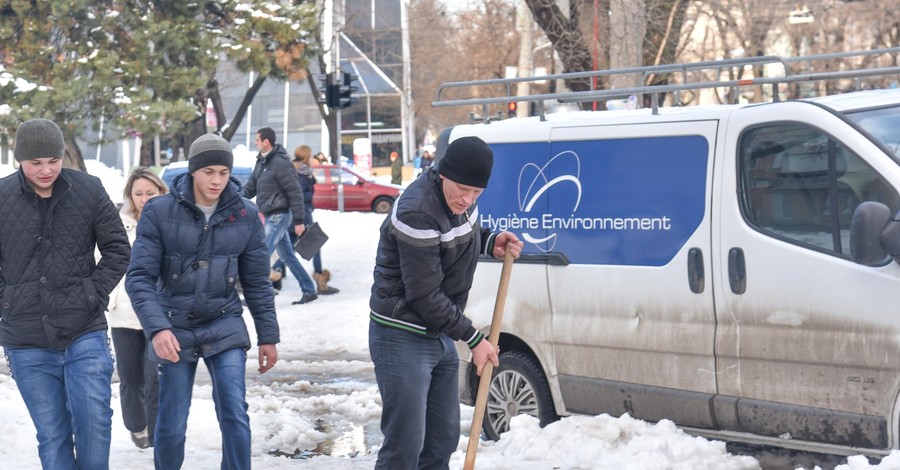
x: 54, y: 295
x: 426, y: 260
x: 280, y: 199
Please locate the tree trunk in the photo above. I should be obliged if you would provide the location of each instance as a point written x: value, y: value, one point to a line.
x: 73, y: 157
x: 566, y: 38
x: 242, y: 109
x: 627, y: 24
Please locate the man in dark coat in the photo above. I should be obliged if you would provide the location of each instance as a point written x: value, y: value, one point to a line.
x: 280, y: 199
x: 52, y: 325
x: 426, y: 259
x: 192, y: 246
x: 396, y: 168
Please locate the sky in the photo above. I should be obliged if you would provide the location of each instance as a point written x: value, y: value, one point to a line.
x: 322, y: 390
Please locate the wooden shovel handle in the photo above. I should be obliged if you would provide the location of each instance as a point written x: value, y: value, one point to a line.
x: 487, y: 371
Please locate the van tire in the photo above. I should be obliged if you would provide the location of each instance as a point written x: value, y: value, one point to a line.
x: 382, y: 205
x: 520, y: 372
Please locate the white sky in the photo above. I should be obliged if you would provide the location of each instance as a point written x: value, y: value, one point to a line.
x: 328, y: 338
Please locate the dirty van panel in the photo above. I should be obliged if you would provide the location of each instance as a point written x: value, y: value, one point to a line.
x: 814, y: 333
x: 623, y: 310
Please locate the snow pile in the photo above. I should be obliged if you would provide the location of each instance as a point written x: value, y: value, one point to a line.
x: 603, y: 442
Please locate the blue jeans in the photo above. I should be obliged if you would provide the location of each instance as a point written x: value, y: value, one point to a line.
x: 176, y: 381
x: 67, y: 393
x: 417, y: 379
x: 277, y: 238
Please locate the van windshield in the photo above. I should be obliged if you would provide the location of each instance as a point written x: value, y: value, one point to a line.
x: 881, y: 123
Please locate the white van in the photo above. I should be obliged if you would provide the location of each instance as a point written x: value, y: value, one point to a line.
x: 695, y: 264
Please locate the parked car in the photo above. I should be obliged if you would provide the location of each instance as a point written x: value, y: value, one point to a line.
x: 360, y: 194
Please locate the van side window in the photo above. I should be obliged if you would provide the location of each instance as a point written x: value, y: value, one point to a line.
x: 800, y: 185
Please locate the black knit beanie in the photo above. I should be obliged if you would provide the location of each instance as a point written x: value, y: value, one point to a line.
x: 468, y: 161
x: 208, y: 150
x: 39, y: 138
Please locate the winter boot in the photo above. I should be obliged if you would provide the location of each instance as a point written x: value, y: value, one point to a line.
x: 141, y: 439
x: 322, y: 279
x: 276, y: 275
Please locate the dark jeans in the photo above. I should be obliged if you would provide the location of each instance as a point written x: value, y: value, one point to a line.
x: 138, y: 380
x: 176, y: 382
x: 417, y: 379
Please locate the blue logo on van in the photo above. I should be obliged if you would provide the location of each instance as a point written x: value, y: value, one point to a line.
x: 534, y: 182
x: 629, y: 201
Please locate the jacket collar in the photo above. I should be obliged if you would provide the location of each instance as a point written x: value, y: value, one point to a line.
x: 60, y: 186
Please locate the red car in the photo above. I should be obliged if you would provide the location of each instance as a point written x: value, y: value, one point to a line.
x: 360, y: 194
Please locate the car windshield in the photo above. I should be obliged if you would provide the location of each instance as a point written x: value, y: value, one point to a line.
x: 881, y: 123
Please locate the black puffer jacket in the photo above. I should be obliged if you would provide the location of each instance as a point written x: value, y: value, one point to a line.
x: 425, y: 264
x: 274, y: 183
x: 184, y: 270
x: 52, y: 290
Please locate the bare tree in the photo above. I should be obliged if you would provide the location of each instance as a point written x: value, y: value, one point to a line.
x: 466, y: 45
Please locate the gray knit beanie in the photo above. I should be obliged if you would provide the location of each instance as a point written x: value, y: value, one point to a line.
x: 39, y: 138
x: 468, y: 161
x: 208, y: 150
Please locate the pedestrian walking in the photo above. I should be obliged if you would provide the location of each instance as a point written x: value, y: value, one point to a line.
x: 55, y: 293
x: 302, y: 161
x: 138, y: 381
x: 192, y: 246
x: 279, y: 197
x: 396, y: 168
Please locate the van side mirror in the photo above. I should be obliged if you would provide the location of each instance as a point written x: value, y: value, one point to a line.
x: 870, y: 228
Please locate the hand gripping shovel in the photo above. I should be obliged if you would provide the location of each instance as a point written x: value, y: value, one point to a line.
x: 487, y: 371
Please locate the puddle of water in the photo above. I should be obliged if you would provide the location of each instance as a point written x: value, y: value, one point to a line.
x: 357, y: 440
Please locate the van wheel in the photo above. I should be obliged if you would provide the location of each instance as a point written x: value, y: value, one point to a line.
x: 382, y: 205
x: 518, y: 386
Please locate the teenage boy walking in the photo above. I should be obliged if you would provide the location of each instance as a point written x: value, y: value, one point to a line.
x: 192, y: 246
x: 54, y: 295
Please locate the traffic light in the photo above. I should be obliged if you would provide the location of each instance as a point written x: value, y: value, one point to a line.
x: 511, y: 108
x: 337, y: 90
x: 347, y: 89
x: 327, y: 90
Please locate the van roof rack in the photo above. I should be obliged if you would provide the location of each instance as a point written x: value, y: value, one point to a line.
x: 684, y: 70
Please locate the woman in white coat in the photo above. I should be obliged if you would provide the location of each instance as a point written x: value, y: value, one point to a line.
x: 138, y: 377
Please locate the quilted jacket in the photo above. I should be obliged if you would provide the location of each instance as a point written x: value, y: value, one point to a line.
x: 425, y: 264
x: 52, y: 289
x: 184, y: 270
x: 275, y: 185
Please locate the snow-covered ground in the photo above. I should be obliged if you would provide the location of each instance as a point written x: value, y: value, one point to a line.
x: 321, y: 396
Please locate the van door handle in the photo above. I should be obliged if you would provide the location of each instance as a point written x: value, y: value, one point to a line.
x: 737, y: 271
x: 695, y: 270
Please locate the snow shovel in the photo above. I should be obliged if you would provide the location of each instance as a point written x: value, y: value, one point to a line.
x: 487, y: 371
